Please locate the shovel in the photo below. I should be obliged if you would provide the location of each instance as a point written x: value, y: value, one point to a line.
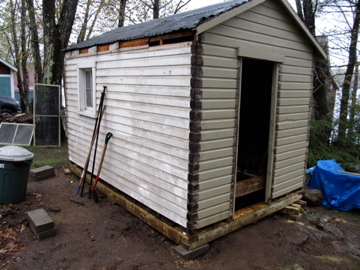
x: 92, y: 190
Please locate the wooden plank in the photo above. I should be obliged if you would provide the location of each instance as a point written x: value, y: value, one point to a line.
x: 241, y: 218
x: 250, y: 185
x: 182, y: 34
x: 134, y: 43
x: 103, y: 48
x: 84, y: 51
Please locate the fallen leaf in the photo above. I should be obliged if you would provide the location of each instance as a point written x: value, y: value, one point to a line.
x: 23, y: 228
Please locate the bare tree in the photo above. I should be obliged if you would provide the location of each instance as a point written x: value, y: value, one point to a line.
x: 56, y: 37
x: 34, y: 40
x: 344, y: 104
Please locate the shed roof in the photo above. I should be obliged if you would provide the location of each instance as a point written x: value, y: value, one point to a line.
x: 8, y: 65
x: 181, y: 21
x: 190, y: 20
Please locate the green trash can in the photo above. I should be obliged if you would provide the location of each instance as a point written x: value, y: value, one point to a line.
x: 15, y: 164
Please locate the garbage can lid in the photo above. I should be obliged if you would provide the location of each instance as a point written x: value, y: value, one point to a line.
x: 14, y: 153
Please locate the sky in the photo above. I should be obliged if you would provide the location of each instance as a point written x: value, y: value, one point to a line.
x: 202, y: 3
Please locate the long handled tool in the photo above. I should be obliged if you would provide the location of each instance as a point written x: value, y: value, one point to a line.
x: 76, y: 197
x: 92, y: 190
x: 94, y: 137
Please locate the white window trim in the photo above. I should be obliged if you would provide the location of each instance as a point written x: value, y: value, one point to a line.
x: 80, y: 67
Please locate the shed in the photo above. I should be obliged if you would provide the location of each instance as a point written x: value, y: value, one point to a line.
x: 209, y: 111
x: 7, y: 72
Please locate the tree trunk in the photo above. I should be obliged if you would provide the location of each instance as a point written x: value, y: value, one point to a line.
x: 156, y: 9
x: 351, y: 134
x: 56, y: 38
x: 344, y: 103
x: 83, y: 29
x: 122, y: 13
x: 16, y: 47
x: 34, y: 40
x: 309, y: 15
x: 91, y: 28
x: 24, y: 94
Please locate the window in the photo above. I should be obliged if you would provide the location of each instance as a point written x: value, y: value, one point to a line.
x: 87, y: 90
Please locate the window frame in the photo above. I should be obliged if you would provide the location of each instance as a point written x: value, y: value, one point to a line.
x: 83, y: 109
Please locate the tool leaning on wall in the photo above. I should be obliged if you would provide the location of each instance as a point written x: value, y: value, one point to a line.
x: 77, y: 197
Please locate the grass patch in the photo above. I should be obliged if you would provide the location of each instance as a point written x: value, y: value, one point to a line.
x: 52, y: 156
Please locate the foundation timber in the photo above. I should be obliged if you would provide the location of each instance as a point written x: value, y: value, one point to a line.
x: 180, y: 235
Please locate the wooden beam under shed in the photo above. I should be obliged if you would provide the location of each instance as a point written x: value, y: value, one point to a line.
x: 200, y: 237
x: 250, y: 185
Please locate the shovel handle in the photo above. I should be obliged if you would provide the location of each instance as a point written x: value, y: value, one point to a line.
x: 108, y: 137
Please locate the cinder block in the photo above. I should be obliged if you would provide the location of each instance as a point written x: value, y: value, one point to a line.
x: 192, y: 254
x: 42, y: 173
x: 41, y: 223
x: 46, y: 234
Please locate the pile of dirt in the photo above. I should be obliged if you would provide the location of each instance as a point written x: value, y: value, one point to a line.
x: 105, y: 236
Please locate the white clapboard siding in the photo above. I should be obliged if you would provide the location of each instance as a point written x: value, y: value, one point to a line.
x: 147, y: 157
x: 268, y: 25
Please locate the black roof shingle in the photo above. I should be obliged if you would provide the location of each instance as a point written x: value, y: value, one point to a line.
x: 182, y: 21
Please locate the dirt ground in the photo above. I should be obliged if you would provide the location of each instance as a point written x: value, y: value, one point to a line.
x: 105, y: 236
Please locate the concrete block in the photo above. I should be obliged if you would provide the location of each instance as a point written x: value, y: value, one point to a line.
x: 45, y: 234
x: 40, y: 221
x: 192, y: 254
x: 42, y: 173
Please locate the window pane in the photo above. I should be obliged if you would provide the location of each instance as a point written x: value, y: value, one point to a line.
x: 88, y: 88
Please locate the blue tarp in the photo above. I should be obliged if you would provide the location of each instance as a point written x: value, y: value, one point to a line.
x: 341, y: 191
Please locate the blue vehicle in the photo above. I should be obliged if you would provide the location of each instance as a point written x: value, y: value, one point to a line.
x: 9, y: 105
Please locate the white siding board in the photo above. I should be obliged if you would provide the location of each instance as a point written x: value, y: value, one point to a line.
x: 214, y: 210
x: 218, y: 114
x: 293, y: 117
x: 216, y: 173
x: 295, y: 167
x: 220, y: 62
x: 205, y: 204
x: 293, y: 94
x: 293, y: 184
x: 218, y: 104
x: 220, y: 73
x: 212, y: 219
x: 217, y: 134
x: 148, y: 115
x: 215, y: 154
x: 293, y: 139
x: 160, y: 71
x: 139, y: 161
x: 291, y: 154
x: 269, y: 26
x: 292, y: 124
x: 216, y: 144
x: 292, y: 109
x: 177, y: 214
x: 218, y: 82
x: 213, y: 164
x: 227, y: 35
x: 289, y: 162
x: 209, y: 193
x: 216, y: 182
x: 217, y: 124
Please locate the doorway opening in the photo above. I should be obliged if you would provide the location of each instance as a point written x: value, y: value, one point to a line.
x: 254, y: 131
